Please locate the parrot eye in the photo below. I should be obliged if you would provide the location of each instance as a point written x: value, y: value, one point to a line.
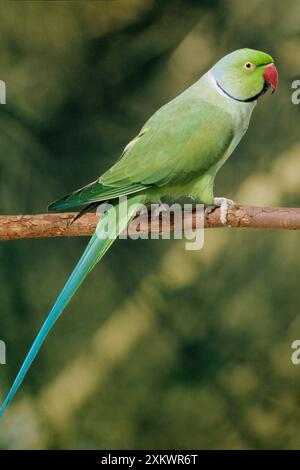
x: 249, y: 66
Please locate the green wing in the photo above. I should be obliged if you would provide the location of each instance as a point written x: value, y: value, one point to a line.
x: 93, y: 192
x: 178, y: 144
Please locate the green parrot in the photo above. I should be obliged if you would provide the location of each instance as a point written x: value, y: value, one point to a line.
x: 177, y: 153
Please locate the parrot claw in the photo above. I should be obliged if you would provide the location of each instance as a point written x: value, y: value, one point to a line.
x: 223, y: 203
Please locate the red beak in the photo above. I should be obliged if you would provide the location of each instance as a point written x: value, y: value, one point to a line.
x: 271, y: 76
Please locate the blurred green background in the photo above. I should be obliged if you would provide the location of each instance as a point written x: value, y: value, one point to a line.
x: 161, y: 347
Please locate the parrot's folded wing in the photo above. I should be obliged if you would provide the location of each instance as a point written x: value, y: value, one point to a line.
x: 93, y: 192
x: 178, y: 144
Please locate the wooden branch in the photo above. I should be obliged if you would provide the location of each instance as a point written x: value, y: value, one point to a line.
x: 14, y: 227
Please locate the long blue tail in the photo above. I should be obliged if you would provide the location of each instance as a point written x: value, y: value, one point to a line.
x: 100, y: 242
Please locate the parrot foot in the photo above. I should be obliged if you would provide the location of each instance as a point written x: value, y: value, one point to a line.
x: 223, y: 203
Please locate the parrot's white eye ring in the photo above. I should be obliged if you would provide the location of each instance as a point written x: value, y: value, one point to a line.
x: 249, y: 66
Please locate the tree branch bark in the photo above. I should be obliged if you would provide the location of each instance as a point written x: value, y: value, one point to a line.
x: 13, y: 227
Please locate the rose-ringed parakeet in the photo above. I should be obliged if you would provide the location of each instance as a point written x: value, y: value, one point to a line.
x: 177, y: 153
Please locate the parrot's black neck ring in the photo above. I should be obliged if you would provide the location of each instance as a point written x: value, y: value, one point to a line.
x: 247, y: 100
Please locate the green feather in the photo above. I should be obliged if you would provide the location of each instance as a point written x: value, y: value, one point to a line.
x: 94, y: 192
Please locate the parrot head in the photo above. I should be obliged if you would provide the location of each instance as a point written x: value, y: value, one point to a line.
x: 245, y: 74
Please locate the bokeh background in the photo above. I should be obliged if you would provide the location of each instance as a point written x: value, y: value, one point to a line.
x: 161, y: 347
